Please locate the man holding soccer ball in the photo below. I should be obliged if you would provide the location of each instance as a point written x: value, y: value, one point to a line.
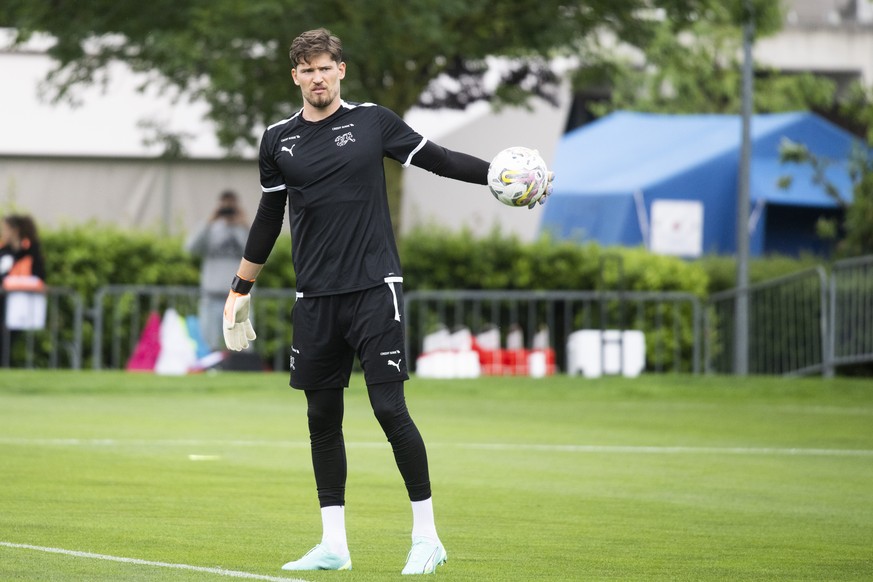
x: 326, y: 161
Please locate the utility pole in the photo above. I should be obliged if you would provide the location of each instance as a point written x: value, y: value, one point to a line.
x: 741, y: 313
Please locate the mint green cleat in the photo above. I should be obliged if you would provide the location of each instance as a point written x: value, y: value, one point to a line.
x: 320, y: 558
x: 424, y: 556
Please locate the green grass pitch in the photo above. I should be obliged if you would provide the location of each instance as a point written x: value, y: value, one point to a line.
x: 653, y: 478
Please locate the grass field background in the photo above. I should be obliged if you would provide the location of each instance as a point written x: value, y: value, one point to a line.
x: 654, y: 478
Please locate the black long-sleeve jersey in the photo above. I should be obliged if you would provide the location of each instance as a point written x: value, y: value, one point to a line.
x: 332, y: 176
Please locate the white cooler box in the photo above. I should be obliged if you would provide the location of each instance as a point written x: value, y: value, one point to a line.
x: 584, y: 352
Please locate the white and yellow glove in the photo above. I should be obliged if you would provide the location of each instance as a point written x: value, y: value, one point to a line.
x: 238, y: 330
x: 541, y: 199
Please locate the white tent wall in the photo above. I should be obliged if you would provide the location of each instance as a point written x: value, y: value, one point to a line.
x: 177, y: 195
x: 172, y: 196
x: 96, y: 166
x: 430, y: 199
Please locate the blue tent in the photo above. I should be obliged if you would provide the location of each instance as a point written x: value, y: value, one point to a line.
x: 609, y: 172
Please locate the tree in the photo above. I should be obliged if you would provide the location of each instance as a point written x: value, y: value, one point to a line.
x: 233, y: 53
x: 698, y: 70
x: 858, y: 224
x: 853, y: 229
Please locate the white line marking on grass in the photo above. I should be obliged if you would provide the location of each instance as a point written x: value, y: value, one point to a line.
x: 108, y: 442
x: 218, y: 571
x: 193, y: 457
x: 646, y: 450
x: 612, y: 449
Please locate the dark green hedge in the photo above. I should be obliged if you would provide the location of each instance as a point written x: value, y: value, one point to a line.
x: 721, y: 271
x: 439, y: 259
x: 87, y: 257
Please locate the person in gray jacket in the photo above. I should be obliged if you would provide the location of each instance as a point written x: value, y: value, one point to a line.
x: 220, y: 242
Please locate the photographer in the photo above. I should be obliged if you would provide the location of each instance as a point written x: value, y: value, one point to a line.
x: 220, y: 242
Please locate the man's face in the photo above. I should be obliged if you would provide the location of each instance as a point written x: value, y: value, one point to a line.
x: 319, y: 80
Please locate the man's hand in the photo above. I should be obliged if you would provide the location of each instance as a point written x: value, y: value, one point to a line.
x: 544, y: 195
x: 238, y: 330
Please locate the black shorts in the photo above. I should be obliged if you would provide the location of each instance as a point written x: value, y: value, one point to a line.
x: 330, y: 330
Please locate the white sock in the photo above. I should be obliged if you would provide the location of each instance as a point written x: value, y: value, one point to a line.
x: 422, y: 520
x: 333, y: 523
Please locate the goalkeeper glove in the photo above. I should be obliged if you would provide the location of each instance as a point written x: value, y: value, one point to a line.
x: 544, y: 195
x: 238, y: 330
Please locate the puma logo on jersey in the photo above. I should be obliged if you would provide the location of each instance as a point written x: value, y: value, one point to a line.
x: 396, y: 365
x: 289, y: 150
x: 344, y: 139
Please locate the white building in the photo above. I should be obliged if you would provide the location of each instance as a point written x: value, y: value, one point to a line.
x: 72, y: 164
x: 431, y: 199
x: 831, y: 37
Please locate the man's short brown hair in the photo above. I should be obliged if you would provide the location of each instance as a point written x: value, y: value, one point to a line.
x: 313, y: 43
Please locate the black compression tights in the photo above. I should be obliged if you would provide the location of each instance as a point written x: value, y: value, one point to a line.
x: 325, y: 414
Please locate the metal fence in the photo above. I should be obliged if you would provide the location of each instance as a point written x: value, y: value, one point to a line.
x: 787, y: 326
x: 805, y: 323
x: 670, y: 321
x: 121, y: 312
x: 48, y: 336
x: 850, y: 336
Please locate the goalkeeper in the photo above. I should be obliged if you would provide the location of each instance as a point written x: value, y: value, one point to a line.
x: 326, y: 162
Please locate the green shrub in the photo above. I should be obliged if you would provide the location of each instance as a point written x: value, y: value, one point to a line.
x: 435, y: 258
x: 87, y: 257
x: 721, y: 271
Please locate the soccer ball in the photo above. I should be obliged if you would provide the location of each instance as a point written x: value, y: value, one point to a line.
x: 518, y: 176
